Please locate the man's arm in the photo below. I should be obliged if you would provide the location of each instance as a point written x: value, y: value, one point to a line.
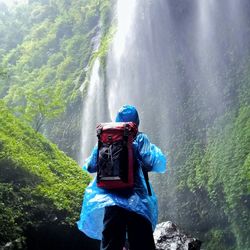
x: 91, y: 162
x: 151, y: 156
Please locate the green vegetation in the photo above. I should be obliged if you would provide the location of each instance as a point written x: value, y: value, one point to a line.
x: 45, y: 55
x: 210, y: 169
x: 52, y: 43
x: 38, y: 183
x: 224, y: 173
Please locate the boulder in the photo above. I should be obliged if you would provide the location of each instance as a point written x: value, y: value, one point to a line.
x: 168, y: 236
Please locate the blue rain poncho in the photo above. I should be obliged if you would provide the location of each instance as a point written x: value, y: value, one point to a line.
x: 149, y: 157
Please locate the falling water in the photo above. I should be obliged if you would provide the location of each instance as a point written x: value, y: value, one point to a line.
x: 94, y: 100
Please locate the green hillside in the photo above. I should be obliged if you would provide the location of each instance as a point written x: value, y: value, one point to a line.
x: 46, y: 51
x: 38, y: 183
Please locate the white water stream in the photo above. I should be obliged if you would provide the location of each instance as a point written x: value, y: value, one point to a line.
x: 93, y: 112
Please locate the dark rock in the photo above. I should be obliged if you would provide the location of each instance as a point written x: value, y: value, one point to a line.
x: 169, y: 237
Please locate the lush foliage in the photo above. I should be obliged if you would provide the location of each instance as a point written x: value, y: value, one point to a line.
x: 38, y: 183
x: 47, y: 60
x: 47, y: 49
x: 209, y: 174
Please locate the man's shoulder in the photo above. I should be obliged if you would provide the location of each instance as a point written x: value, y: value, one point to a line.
x: 141, y: 136
x: 141, y: 140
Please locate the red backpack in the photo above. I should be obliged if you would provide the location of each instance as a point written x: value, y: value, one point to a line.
x: 115, y: 161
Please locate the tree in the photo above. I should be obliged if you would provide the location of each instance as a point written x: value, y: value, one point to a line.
x: 43, y: 105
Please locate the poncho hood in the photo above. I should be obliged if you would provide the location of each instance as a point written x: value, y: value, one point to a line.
x: 128, y: 113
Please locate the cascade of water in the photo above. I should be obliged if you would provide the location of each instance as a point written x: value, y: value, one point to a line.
x: 132, y: 75
x: 125, y: 16
x: 93, y: 112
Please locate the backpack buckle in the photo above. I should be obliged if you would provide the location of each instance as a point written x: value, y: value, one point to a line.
x: 99, y: 131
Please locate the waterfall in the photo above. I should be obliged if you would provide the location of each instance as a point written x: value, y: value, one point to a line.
x: 93, y: 110
x: 125, y: 16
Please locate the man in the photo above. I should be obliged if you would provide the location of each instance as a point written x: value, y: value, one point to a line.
x: 111, y: 216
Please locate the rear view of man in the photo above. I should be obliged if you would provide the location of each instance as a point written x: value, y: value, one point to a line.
x: 114, y: 215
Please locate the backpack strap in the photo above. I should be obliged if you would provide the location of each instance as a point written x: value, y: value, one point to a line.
x: 145, y: 173
x: 125, y: 134
x: 98, y: 133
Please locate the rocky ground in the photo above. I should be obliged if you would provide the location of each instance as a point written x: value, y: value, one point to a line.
x: 169, y: 237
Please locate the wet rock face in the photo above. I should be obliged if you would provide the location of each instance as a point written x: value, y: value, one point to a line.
x: 169, y: 237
